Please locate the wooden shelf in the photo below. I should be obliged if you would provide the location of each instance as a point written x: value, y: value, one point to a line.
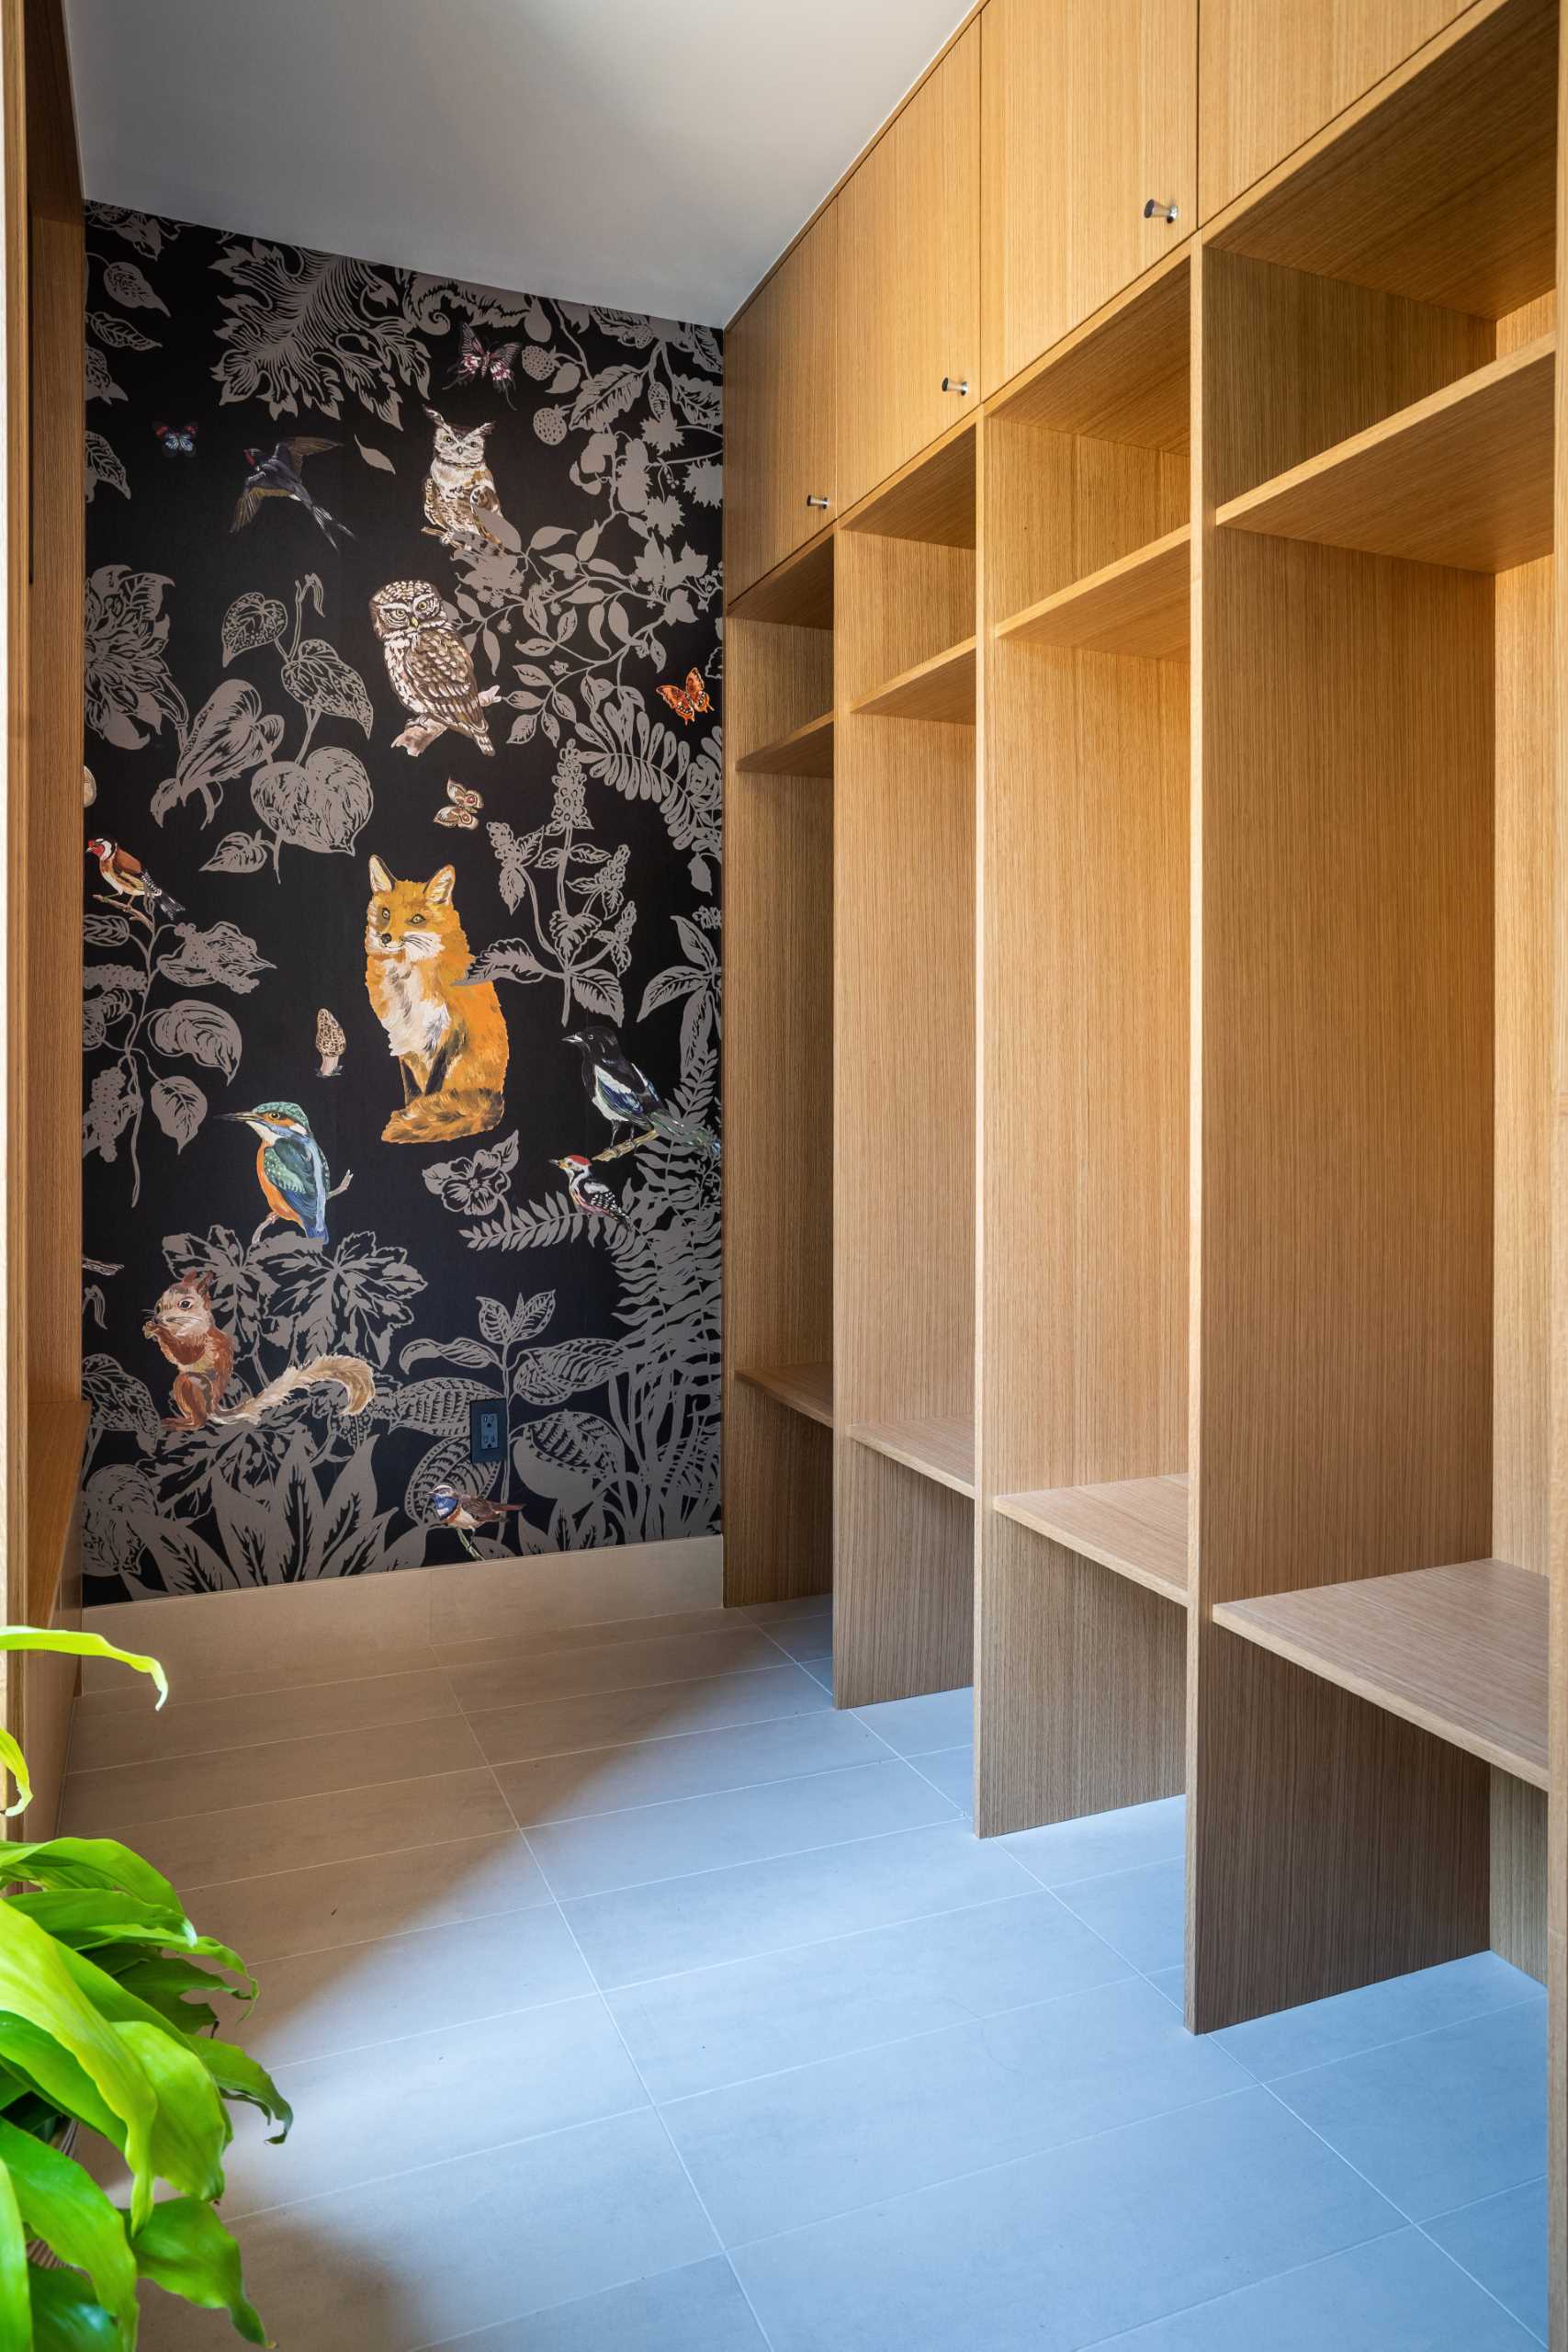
x: 1137, y: 1526
x: 804, y: 751
x: 1460, y: 1651
x: 1140, y: 605
x: 1439, y: 184
x: 1463, y: 478
x: 797, y: 593
x: 936, y: 1446
x: 931, y: 498
x: 1122, y: 376
x: 942, y: 688
x: 804, y: 1387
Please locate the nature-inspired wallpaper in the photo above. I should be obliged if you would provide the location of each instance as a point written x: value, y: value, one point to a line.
x: 402, y: 918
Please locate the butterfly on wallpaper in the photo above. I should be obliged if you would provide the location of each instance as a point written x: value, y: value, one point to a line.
x: 178, y: 440
x: 478, y: 366
x: 463, y: 803
x: 687, y: 701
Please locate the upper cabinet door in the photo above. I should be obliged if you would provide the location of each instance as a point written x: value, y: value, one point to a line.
x: 779, y: 380
x: 1275, y: 71
x: 909, y: 278
x: 1091, y: 117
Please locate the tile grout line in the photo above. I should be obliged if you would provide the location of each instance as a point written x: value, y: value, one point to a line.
x: 702, y: 1796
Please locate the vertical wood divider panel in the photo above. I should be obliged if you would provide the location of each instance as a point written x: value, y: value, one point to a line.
x: 1557, y: 1812
x: 1341, y: 1408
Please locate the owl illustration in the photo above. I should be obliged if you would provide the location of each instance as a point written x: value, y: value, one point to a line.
x: 429, y: 666
x: 459, y: 490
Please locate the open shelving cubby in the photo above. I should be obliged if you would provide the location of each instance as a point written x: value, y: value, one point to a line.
x: 778, y: 1083
x: 1374, y: 925
x: 904, y: 1220
x: 1083, y: 1322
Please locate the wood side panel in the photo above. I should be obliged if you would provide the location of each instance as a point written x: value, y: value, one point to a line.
x: 778, y: 1122
x: 1087, y: 115
x: 781, y: 367
x: 903, y: 1581
x: 909, y: 278
x: 1518, y: 1872
x: 1269, y: 76
x: 1557, y: 1815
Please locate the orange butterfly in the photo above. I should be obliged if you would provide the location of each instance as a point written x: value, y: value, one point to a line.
x: 688, y: 700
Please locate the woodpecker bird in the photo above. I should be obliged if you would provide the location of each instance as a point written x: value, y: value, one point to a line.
x: 290, y: 1169
x: 619, y: 1092
x: 467, y: 1513
x: 129, y: 879
x: 589, y: 1193
x: 274, y: 473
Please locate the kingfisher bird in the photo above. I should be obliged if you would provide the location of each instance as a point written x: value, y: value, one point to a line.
x: 290, y: 1167
x: 467, y: 1513
x: 589, y: 1193
x: 127, y: 878
x: 619, y: 1092
x: 274, y: 473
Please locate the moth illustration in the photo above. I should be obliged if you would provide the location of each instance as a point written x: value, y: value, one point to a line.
x: 463, y: 806
x: 178, y: 440
x: 688, y: 701
x: 476, y: 365
x: 331, y: 1043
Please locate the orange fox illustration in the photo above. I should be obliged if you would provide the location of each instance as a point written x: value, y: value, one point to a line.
x: 449, y: 1035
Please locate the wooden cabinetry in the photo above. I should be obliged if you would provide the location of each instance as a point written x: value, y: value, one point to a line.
x: 779, y: 371
x: 1270, y: 75
x: 910, y: 279
x: 1088, y: 115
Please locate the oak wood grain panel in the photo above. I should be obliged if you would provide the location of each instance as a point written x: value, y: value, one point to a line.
x: 1075, y: 506
x: 779, y: 370
x: 778, y: 1119
x: 931, y: 498
x: 1270, y: 76
x: 804, y: 1387
x: 1089, y: 1712
x: 1137, y: 1526
x: 1518, y: 1872
x: 806, y: 750
x: 908, y: 277
x: 1088, y: 114
x: 797, y: 594
x: 1464, y: 477
x: 1140, y: 604
x: 937, y: 1445
x: 911, y: 600
x: 904, y: 1581
x: 1440, y: 184
x: 1122, y: 375
x: 1557, y: 1461
x: 940, y: 688
x: 1458, y: 1651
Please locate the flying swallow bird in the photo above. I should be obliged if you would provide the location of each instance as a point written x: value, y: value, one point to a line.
x: 276, y: 473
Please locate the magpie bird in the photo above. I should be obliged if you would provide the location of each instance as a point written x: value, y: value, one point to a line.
x: 619, y: 1092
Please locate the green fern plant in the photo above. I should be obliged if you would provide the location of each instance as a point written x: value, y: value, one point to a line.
x: 107, y: 2024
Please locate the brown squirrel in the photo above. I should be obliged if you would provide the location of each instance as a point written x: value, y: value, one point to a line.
x: 186, y: 1331
x: 447, y: 1032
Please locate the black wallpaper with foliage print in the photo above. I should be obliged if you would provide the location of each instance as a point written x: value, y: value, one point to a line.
x: 241, y: 742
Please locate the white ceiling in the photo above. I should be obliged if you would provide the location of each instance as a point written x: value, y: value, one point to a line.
x: 655, y: 154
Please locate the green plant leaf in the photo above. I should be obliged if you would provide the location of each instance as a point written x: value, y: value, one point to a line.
x: 84, y: 1916
x: 140, y: 1960
x: 12, y: 1760
x: 185, y: 2248
x: 167, y: 1995
x: 237, y: 2076
x: 67, y: 2315
x: 66, y: 2038
x: 16, y: 2301
x: 68, y: 1644
x: 191, y: 2128
x: 59, y: 2203
x: 235, y: 2072
x: 91, y: 1863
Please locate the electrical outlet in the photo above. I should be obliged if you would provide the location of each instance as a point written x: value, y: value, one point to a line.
x: 486, y: 1434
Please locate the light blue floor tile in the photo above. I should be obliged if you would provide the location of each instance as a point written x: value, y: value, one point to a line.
x: 820, y: 1669
x: 1172, y: 1982
x: 1441, y: 2120
x: 1061, y: 2249
x: 619, y: 1849
x: 795, y: 2147
x: 804, y: 1637
x: 607, y: 1779
x: 698, y: 2310
x: 509, y: 1735
x: 1141, y: 1913
x: 952, y: 1769
x: 1501, y: 2242
x: 1398, y: 2294
x: 647, y: 1931
x: 768, y: 1612
x: 920, y: 1727
x: 756, y: 2017
x: 1102, y: 1842
x: 1322, y: 2031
